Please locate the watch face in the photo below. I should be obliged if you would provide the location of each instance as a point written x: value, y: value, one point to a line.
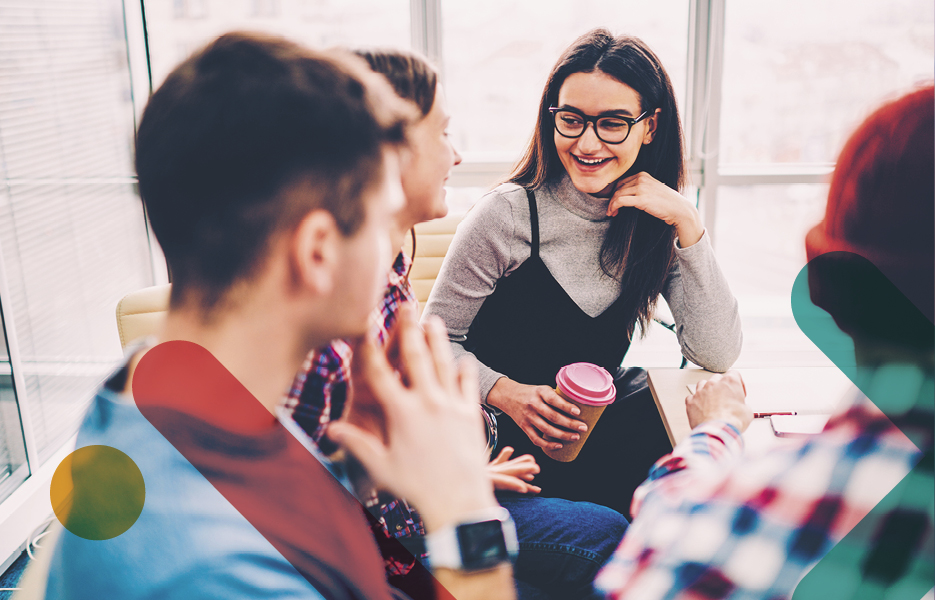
x: 482, y: 544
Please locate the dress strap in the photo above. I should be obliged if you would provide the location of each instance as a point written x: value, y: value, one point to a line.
x: 533, y: 223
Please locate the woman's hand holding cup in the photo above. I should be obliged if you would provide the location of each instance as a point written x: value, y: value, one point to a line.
x: 541, y: 413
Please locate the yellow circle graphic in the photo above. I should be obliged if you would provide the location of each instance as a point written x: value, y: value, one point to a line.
x: 97, y: 492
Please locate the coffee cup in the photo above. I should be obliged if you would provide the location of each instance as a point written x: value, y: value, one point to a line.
x: 591, y: 389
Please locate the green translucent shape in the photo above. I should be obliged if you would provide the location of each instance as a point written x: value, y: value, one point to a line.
x: 97, y: 492
x: 820, y: 327
x: 894, y: 388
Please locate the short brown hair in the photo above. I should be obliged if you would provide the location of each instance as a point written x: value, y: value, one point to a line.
x: 233, y: 132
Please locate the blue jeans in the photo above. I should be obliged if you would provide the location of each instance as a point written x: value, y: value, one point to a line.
x: 562, y: 544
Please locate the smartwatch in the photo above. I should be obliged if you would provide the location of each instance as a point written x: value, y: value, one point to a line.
x: 483, y: 541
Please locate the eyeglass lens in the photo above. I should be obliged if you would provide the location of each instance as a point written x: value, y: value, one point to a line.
x: 609, y: 129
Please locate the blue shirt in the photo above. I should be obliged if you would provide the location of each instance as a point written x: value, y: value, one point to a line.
x: 189, y: 542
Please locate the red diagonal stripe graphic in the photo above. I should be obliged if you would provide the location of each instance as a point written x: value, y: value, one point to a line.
x: 260, y: 468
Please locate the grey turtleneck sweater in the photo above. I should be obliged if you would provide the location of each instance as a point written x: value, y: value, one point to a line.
x: 494, y: 239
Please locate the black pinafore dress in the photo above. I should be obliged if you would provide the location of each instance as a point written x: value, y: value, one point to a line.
x: 527, y: 329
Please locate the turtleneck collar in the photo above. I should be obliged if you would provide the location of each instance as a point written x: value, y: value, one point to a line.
x: 577, y: 202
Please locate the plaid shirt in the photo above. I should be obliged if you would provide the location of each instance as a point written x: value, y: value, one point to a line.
x: 318, y: 394
x: 711, y: 524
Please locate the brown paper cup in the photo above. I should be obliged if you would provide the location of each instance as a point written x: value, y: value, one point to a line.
x: 589, y: 414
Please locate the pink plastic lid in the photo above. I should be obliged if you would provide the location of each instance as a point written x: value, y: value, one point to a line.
x: 586, y: 383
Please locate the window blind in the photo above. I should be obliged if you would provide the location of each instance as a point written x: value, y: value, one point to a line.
x: 72, y: 230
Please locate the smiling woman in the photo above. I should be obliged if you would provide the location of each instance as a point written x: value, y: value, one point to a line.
x: 596, y: 157
x: 560, y: 264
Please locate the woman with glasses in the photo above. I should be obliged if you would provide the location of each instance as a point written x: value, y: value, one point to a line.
x: 560, y: 264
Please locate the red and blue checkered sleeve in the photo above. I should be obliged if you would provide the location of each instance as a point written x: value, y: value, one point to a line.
x: 709, y: 444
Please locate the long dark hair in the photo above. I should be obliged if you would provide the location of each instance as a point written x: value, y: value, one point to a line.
x: 638, y: 249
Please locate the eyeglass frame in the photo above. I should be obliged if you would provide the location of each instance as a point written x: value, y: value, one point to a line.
x: 630, y: 121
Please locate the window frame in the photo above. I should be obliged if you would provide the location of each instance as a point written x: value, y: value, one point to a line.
x: 29, y: 506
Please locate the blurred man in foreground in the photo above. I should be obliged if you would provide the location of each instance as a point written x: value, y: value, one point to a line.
x: 270, y: 174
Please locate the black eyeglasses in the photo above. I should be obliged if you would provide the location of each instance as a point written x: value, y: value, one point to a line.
x: 610, y: 129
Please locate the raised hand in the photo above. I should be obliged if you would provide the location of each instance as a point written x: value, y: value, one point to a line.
x: 646, y: 193
x: 422, y: 438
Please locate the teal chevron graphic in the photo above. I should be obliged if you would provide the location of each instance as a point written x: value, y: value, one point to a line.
x: 889, y: 554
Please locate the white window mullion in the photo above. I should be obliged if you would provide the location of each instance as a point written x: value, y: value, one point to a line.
x: 703, y: 104
x: 16, y: 364
x: 426, y: 27
x: 141, y: 87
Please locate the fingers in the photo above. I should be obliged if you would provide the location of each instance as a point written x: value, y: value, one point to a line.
x: 516, y: 466
x: 507, y: 483
x: 440, y: 349
x: 377, y: 377
x: 560, y: 419
x: 523, y: 470
x: 549, y: 396
x: 415, y: 360
x: 737, y: 379
x: 503, y: 457
x: 625, y: 199
x: 719, y: 398
x: 536, y: 438
x: 636, y: 180
x: 528, y: 458
x: 365, y: 447
x: 467, y: 382
x: 553, y: 432
x: 626, y: 194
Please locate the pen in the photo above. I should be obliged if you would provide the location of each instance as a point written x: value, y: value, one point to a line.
x: 759, y: 415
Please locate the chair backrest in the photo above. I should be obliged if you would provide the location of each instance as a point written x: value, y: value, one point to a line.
x: 140, y: 313
x: 432, y: 242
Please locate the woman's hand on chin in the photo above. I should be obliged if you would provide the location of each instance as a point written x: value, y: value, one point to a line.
x: 644, y: 192
x: 541, y: 413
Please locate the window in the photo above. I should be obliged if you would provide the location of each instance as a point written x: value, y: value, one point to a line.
x: 797, y: 79
x: 761, y: 248
x: 73, y: 237
x: 13, y: 468
x: 318, y: 23
x: 497, y: 55
x: 799, y: 76
x: 265, y: 8
x: 189, y: 9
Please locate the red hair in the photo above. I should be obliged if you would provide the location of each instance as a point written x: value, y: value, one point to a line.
x: 881, y: 204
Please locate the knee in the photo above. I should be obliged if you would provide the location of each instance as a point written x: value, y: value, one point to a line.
x: 605, y: 526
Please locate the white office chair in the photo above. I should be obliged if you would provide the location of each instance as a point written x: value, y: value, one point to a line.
x: 140, y: 313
